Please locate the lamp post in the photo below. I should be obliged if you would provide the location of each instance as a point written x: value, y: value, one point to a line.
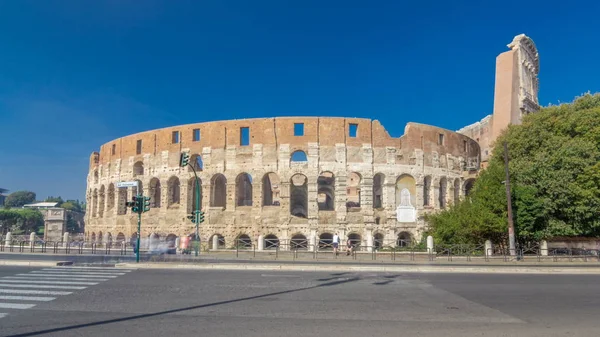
x: 511, y: 225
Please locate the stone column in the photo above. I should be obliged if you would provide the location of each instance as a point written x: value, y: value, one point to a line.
x: 215, y: 242
x: 8, y: 239
x: 31, y: 239
x: 261, y: 242
x: 312, y: 244
x: 65, y: 239
x: 544, y: 248
x: 369, y: 231
x: 488, y: 248
x: 430, y: 244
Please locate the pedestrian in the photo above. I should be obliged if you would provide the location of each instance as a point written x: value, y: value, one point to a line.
x: 335, y: 243
x: 348, y: 247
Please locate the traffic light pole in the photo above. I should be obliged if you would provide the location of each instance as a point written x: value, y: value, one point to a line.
x: 197, y: 212
x: 137, y: 251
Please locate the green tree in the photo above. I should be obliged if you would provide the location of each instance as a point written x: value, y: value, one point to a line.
x: 21, y: 220
x: 19, y: 198
x: 59, y: 200
x: 555, y: 178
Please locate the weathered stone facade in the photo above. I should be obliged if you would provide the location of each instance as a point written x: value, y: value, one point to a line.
x: 344, y: 175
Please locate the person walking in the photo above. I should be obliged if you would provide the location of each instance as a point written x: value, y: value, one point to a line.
x: 335, y: 243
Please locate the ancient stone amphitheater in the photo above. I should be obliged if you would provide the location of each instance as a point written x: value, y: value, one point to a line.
x: 292, y: 181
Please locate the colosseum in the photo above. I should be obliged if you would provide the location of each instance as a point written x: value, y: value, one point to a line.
x: 295, y: 181
x: 281, y: 180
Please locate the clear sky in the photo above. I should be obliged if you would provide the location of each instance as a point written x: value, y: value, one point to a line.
x: 76, y: 74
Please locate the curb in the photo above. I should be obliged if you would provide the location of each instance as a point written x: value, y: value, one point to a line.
x: 17, y: 263
x: 396, y: 269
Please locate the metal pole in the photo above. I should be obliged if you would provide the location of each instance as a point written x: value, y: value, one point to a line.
x: 137, y: 254
x: 511, y: 226
x: 197, y: 210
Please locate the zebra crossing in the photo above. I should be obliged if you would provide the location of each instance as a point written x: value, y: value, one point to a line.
x: 26, y: 290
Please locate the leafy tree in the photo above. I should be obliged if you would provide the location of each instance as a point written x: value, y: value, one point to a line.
x: 19, y: 198
x: 21, y: 220
x: 555, y: 180
x: 59, y: 200
x: 72, y: 225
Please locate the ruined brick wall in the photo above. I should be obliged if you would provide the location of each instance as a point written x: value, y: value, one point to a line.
x: 250, y: 189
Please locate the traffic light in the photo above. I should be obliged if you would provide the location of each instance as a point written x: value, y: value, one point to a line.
x: 201, y: 217
x: 192, y: 217
x: 146, y: 204
x: 137, y: 205
x: 131, y: 204
x: 184, y: 160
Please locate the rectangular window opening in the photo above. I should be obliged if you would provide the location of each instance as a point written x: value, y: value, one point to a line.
x: 175, y: 137
x: 138, y: 147
x: 465, y: 145
x: 298, y: 129
x: 196, y: 135
x: 114, y: 149
x: 353, y: 130
x: 441, y: 139
x: 244, y: 136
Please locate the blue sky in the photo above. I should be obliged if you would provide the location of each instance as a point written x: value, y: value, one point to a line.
x: 76, y: 74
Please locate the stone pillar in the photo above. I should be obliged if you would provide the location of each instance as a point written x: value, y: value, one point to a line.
x: 65, y: 239
x: 105, y: 239
x: 31, y: 239
x: 261, y: 242
x: 8, y: 239
x: 430, y: 244
x: 312, y: 240
x: 369, y: 239
x: 488, y: 248
x: 215, y: 242
x: 544, y: 248
x: 177, y: 242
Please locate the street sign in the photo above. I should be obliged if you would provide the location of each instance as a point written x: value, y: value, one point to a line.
x: 127, y: 184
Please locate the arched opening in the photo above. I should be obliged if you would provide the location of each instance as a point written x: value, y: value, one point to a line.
x: 138, y: 169
x: 95, y: 176
x: 196, y: 162
x: 243, y: 241
x: 326, y: 191
x: 110, y: 199
x: 271, y: 241
x: 456, y: 190
x: 442, y: 192
x: 298, y: 242
x: 404, y: 239
x: 406, y: 191
x: 171, y: 241
x: 325, y: 241
x: 155, y: 193
x: 469, y: 186
x: 120, y: 237
x: 378, y: 180
x: 426, y: 190
x: 174, y: 191
x: 355, y: 239
x: 218, y: 191
x: 95, y: 203
x: 243, y: 190
x: 378, y: 241
x: 270, y: 190
x: 299, y: 196
x: 353, y: 190
x: 101, y: 198
x: 192, y: 197
x: 220, y: 241
x: 298, y: 156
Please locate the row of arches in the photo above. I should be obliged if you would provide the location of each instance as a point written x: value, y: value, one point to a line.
x: 104, y: 199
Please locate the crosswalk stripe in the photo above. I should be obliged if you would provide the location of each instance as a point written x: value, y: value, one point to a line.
x: 48, y: 273
x: 35, y: 277
x: 119, y: 270
x: 16, y: 306
x: 40, y: 286
x: 75, y: 272
x: 50, y: 282
x: 27, y: 298
x: 2, y: 315
x: 34, y: 292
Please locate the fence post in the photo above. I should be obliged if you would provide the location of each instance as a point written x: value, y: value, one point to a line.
x: 32, y: 240
x: 489, y: 249
x: 261, y: 242
x: 215, y: 242
x: 430, y: 246
x: 65, y: 239
x: 8, y: 239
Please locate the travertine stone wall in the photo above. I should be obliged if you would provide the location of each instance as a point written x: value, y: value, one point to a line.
x: 445, y: 157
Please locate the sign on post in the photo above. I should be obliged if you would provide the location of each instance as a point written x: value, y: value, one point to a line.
x: 121, y: 184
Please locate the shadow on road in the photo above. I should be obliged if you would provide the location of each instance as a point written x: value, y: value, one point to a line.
x: 124, y: 319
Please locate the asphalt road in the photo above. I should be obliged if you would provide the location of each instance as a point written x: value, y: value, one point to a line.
x: 113, y: 302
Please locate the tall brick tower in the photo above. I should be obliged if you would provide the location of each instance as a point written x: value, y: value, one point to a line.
x: 516, y: 90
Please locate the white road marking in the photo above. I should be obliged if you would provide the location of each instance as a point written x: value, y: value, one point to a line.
x: 2, y: 315
x: 75, y: 272
x: 68, y: 275
x: 49, y: 282
x: 39, y: 286
x: 35, y: 277
x: 118, y: 270
x: 16, y: 306
x: 276, y: 275
x: 27, y: 298
x: 34, y: 292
